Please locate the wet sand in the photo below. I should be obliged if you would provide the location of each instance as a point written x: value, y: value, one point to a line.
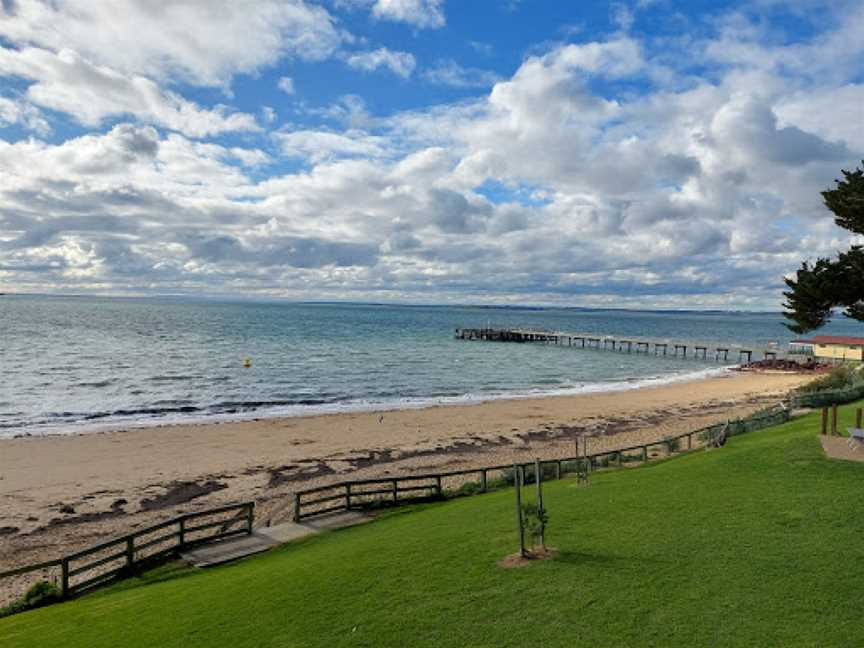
x: 62, y: 493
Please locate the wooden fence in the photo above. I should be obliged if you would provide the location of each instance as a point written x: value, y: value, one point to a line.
x: 358, y: 494
x: 84, y: 570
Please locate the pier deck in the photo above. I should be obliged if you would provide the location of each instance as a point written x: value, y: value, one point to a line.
x: 629, y: 344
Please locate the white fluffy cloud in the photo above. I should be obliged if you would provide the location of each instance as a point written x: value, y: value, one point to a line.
x: 201, y: 41
x: 321, y: 145
x: 65, y: 82
x: 101, y: 61
x: 400, y: 63
x: 18, y: 111
x: 286, y: 85
x: 420, y: 13
x: 449, y: 72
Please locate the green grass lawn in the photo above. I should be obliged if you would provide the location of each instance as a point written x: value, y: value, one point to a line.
x: 760, y: 543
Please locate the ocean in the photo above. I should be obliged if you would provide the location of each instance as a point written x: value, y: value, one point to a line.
x: 77, y: 364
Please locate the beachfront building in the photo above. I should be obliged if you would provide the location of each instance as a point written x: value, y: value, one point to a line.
x: 830, y: 347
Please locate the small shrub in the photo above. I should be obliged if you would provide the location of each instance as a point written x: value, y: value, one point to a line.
x: 840, y: 377
x: 672, y: 444
x: 710, y: 433
x: 535, y: 520
x: 570, y: 466
x: 498, y: 482
x: 468, y: 488
x: 547, y: 471
x: 42, y: 593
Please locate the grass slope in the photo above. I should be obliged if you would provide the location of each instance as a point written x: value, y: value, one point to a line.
x: 755, y: 544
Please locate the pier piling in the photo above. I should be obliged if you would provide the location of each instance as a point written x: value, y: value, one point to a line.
x: 699, y: 350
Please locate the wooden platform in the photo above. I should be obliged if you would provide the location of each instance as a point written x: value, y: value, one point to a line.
x: 218, y: 553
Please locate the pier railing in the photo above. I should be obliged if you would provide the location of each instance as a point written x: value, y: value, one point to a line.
x: 81, y: 571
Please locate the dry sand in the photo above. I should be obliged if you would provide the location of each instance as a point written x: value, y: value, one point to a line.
x: 65, y: 492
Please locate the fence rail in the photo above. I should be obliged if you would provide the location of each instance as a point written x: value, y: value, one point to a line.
x: 101, y: 563
x: 356, y: 494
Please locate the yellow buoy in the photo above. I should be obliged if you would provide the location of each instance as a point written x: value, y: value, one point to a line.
x: 247, y: 362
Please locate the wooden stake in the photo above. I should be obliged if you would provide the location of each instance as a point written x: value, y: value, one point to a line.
x: 858, y: 418
x: 538, y: 477
x: 824, y: 421
x: 834, y: 419
x: 517, y: 486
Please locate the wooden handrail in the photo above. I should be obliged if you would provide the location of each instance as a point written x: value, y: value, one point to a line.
x: 130, y: 548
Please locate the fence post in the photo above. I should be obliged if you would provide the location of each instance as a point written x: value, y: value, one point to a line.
x: 834, y: 419
x: 296, y: 507
x: 858, y: 418
x: 438, y: 484
x: 558, y: 469
x: 690, y: 441
x: 483, y: 480
x: 250, y: 517
x: 395, y: 492
x: 130, y: 551
x: 645, y: 453
x: 824, y: 421
x: 348, y: 496
x: 64, y: 577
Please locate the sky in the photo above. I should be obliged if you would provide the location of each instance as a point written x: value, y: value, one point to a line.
x: 643, y: 153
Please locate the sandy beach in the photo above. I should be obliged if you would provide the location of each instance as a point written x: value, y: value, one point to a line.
x: 61, y: 493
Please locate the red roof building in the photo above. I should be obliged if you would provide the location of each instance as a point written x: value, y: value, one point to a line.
x: 837, y: 347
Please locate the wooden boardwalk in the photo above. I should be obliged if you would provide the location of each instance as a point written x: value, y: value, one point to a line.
x: 682, y: 348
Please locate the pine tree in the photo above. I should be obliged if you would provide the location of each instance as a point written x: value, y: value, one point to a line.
x: 819, y: 288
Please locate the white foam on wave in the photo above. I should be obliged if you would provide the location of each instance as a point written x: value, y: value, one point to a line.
x: 367, y: 405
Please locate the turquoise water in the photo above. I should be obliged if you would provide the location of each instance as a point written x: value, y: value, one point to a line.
x: 77, y: 364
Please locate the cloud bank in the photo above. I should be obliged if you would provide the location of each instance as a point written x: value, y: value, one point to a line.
x: 617, y: 170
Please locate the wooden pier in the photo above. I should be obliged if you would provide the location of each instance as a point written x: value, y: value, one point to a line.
x: 682, y: 349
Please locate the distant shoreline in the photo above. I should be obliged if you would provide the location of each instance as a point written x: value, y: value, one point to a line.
x: 233, y: 299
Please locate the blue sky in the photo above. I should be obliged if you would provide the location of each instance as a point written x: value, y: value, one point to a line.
x: 646, y: 153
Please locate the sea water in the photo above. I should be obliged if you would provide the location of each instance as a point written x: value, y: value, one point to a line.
x: 73, y: 364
